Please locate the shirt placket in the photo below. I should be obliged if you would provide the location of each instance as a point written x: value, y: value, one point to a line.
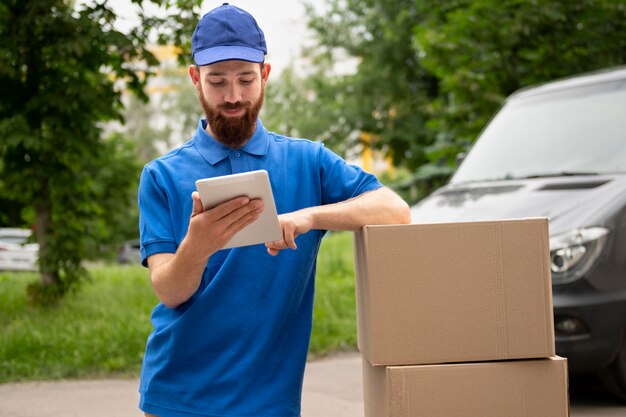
x: 238, y: 161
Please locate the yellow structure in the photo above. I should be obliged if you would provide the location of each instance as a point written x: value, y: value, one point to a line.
x: 167, y: 55
x: 371, y: 160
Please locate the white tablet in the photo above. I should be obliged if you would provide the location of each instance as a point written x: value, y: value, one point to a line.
x: 253, y: 184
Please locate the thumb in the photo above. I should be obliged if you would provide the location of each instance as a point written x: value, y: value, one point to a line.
x: 197, y: 204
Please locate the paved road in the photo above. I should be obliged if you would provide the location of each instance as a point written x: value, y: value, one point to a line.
x: 332, y: 388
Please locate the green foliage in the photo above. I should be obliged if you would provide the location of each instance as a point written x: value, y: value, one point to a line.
x: 178, y: 104
x: 39, y: 294
x: 61, y: 74
x: 384, y: 97
x: 334, y: 313
x: 429, y: 74
x: 311, y: 107
x: 100, y: 329
x: 482, y: 51
x: 175, y: 27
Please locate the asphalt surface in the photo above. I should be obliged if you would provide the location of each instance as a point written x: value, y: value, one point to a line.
x: 332, y: 388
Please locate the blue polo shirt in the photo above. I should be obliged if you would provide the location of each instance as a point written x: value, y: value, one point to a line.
x: 238, y: 346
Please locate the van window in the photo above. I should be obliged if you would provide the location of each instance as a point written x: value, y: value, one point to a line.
x: 580, y: 130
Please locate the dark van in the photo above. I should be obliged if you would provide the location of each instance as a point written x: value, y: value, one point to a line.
x: 558, y: 150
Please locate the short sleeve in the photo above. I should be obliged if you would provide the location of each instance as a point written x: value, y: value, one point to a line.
x: 341, y: 180
x: 156, y: 231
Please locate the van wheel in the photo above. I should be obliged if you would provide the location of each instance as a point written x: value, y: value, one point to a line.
x: 614, y: 376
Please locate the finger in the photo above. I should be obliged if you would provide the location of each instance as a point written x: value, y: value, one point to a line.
x: 227, y: 207
x: 254, y: 206
x: 197, y: 204
x: 274, y: 248
x: 223, y: 230
x: 278, y: 244
x: 289, y: 237
x: 239, y: 223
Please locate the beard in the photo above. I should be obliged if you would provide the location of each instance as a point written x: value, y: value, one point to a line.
x: 235, y: 131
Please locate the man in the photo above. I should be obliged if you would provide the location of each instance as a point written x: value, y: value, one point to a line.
x: 232, y: 330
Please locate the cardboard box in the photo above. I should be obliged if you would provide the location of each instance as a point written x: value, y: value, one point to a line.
x: 454, y: 292
x: 536, y: 388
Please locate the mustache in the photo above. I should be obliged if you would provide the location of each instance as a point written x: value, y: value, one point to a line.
x: 235, y: 106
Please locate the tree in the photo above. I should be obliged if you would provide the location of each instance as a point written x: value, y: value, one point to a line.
x: 308, y: 107
x: 61, y: 74
x: 429, y: 74
x: 167, y: 119
x: 384, y: 100
x: 385, y: 95
x: 484, y: 50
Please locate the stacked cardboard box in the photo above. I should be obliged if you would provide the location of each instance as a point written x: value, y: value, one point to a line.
x: 456, y: 319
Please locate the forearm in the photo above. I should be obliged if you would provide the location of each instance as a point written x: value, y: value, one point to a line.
x: 176, y: 277
x: 381, y: 206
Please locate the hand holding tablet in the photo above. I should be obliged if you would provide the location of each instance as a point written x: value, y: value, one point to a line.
x: 253, y: 184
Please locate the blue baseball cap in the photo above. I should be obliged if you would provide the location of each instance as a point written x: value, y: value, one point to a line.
x: 227, y: 32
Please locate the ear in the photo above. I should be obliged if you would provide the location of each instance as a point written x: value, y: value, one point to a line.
x: 194, y: 73
x: 266, y: 72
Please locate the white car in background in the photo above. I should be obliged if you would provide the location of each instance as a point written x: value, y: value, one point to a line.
x: 16, y: 253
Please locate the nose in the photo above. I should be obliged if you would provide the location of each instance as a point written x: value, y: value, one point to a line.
x: 233, y: 93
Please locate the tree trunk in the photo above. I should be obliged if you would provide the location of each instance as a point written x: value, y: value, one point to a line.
x: 48, y: 273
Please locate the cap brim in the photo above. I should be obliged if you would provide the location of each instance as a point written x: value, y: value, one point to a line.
x: 226, y: 53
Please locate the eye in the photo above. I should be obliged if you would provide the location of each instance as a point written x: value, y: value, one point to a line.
x: 216, y: 83
x: 246, y: 82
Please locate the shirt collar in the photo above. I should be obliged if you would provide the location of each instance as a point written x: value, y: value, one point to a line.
x: 214, y: 152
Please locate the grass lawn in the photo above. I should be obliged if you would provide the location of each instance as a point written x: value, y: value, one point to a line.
x: 334, y: 313
x: 98, y: 330
x: 101, y: 329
